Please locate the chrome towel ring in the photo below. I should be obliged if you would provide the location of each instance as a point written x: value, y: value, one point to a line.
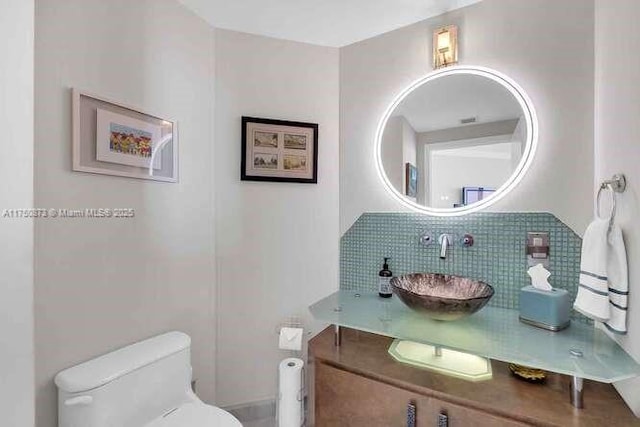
x: 617, y: 184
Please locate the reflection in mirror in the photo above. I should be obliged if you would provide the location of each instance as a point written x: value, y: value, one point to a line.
x: 453, y: 141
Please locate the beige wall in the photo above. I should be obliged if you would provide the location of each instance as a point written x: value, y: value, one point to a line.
x: 16, y: 192
x: 277, y: 243
x: 617, y: 143
x: 101, y: 284
x: 545, y: 45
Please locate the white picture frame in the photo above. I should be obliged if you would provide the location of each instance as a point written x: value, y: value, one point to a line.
x: 93, y: 120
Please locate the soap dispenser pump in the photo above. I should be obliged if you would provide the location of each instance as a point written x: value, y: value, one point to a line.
x: 384, y: 280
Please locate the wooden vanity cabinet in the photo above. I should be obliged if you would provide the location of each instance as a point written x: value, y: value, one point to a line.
x: 360, y: 384
x: 346, y: 399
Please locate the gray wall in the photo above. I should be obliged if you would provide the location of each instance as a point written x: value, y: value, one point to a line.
x: 617, y: 144
x: 545, y: 45
x: 16, y: 192
x: 277, y: 243
x: 104, y: 284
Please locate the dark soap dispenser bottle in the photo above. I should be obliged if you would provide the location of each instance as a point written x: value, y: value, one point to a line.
x: 384, y: 279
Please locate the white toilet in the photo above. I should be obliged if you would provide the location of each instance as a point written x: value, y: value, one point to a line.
x: 146, y: 384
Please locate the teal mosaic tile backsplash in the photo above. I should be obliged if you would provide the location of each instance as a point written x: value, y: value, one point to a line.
x: 497, y: 256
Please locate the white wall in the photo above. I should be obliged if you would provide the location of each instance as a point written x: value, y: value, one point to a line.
x: 617, y: 142
x: 399, y: 147
x: 101, y: 284
x: 409, y: 150
x: 277, y: 243
x: 447, y: 181
x: 545, y: 45
x: 16, y: 192
x: 482, y: 130
x: 392, y: 152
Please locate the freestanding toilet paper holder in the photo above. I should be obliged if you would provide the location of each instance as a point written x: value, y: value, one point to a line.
x: 300, y: 397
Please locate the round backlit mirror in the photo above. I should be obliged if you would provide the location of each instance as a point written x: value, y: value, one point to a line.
x: 456, y: 141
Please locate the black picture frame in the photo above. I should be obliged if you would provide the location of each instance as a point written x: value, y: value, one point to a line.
x: 278, y: 174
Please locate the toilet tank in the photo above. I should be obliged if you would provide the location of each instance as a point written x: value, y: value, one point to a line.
x: 128, y: 387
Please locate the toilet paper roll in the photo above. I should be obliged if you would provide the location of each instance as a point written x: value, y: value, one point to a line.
x: 291, y: 394
x: 290, y: 339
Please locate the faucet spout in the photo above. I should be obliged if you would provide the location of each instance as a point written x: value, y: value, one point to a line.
x: 445, y: 241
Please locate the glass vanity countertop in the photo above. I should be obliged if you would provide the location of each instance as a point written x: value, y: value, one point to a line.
x: 580, y: 350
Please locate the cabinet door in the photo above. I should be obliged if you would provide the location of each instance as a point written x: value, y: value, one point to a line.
x: 457, y: 415
x: 346, y: 399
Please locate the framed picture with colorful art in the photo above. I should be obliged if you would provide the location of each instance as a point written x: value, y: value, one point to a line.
x: 112, y: 139
x: 279, y: 150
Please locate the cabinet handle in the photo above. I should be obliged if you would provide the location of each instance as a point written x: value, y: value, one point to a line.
x: 443, y: 419
x: 411, y: 414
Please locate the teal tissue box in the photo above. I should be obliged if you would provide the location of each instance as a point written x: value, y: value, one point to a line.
x: 545, y: 309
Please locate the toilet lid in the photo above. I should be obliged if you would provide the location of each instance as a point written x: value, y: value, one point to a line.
x: 196, y: 415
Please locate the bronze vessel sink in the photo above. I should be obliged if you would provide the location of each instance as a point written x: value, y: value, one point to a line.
x: 442, y: 296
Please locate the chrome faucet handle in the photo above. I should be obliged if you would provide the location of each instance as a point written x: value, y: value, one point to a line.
x: 426, y: 239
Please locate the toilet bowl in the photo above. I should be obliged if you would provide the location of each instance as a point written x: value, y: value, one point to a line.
x: 146, y: 384
x: 195, y: 415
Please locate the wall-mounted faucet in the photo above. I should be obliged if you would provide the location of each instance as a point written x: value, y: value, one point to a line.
x: 445, y: 241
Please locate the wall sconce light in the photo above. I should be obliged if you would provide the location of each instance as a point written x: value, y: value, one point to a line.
x: 445, y: 46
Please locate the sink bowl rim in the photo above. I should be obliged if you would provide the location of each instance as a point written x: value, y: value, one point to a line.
x: 487, y: 296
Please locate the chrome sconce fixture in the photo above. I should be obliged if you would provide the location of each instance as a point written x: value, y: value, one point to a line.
x: 445, y: 46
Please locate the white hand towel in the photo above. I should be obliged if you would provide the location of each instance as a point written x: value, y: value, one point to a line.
x: 593, y: 290
x: 617, y: 272
x: 603, y: 289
